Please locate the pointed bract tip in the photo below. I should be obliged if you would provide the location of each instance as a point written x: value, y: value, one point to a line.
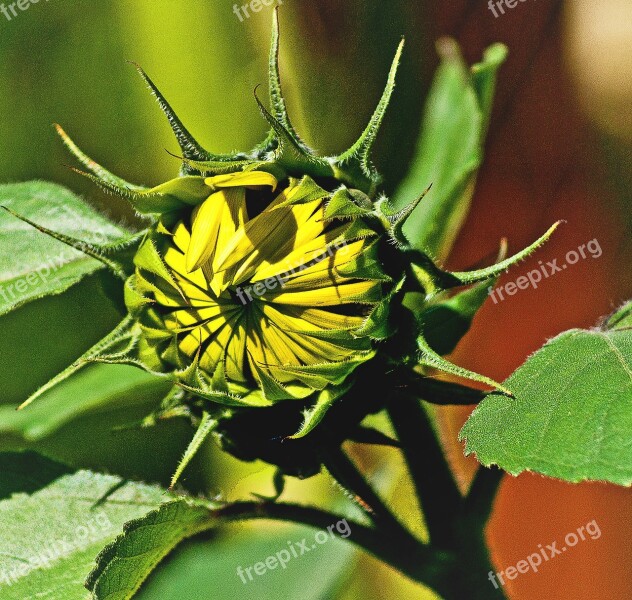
x: 503, y: 249
x: 361, y: 149
x: 448, y: 48
x: 551, y: 230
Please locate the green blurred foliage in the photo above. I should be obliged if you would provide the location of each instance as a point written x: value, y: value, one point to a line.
x: 74, y: 320
x: 65, y: 62
x: 206, y: 567
x: 41, y: 339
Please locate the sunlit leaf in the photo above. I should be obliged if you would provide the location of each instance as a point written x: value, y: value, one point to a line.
x: 32, y: 264
x: 572, y: 414
x: 55, y: 521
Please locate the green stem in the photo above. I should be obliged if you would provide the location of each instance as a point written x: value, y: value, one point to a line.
x: 457, y: 564
x: 480, y: 499
x: 454, y: 575
x: 475, y: 557
x: 454, y: 523
x: 438, y: 495
x: 345, y: 472
x: 468, y: 576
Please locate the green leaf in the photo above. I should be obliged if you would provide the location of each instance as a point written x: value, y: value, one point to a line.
x: 188, y: 144
x: 572, y: 414
x: 118, y: 334
x: 442, y: 393
x: 450, y: 149
x: 315, y: 414
x: 97, y: 387
x: 125, y: 564
x: 32, y: 264
x: 94, y: 167
x: 277, y: 101
x: 361, y: 149
x: 435, y: 280
x: 54, y: 522
x: 445, y: 323
x: 621, y: 318
x: 201, y: 569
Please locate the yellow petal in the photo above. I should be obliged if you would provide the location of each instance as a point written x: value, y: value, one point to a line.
x: 321, y: 319
x: 249, y: 179
x: 308, y: 349
x: 177, y: 262
x: 277, y: 344
x: 268, y: 237
x: 218, y: 211
x: 215, y: 349
x: 236, y: 354
x: 304, y: 320
x: 314, y: 261
x: 181, y: 237
x: 190, y: 189
x: 233, y: 219
x: 363, y: 292
x: 206, y: 220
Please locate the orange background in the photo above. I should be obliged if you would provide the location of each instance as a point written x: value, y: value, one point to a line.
x: 543, y: 163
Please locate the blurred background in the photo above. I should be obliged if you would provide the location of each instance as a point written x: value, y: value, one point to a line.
x: 559, y: 147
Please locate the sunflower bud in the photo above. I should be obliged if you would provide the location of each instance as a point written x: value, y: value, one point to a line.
x: 260, y: 292
x: 261, y: 281
x: 265, y: 280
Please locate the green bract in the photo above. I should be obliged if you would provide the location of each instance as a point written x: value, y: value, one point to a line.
x: 271, y: 276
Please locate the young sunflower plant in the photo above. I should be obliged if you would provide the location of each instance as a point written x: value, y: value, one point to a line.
x: 278, y: 293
